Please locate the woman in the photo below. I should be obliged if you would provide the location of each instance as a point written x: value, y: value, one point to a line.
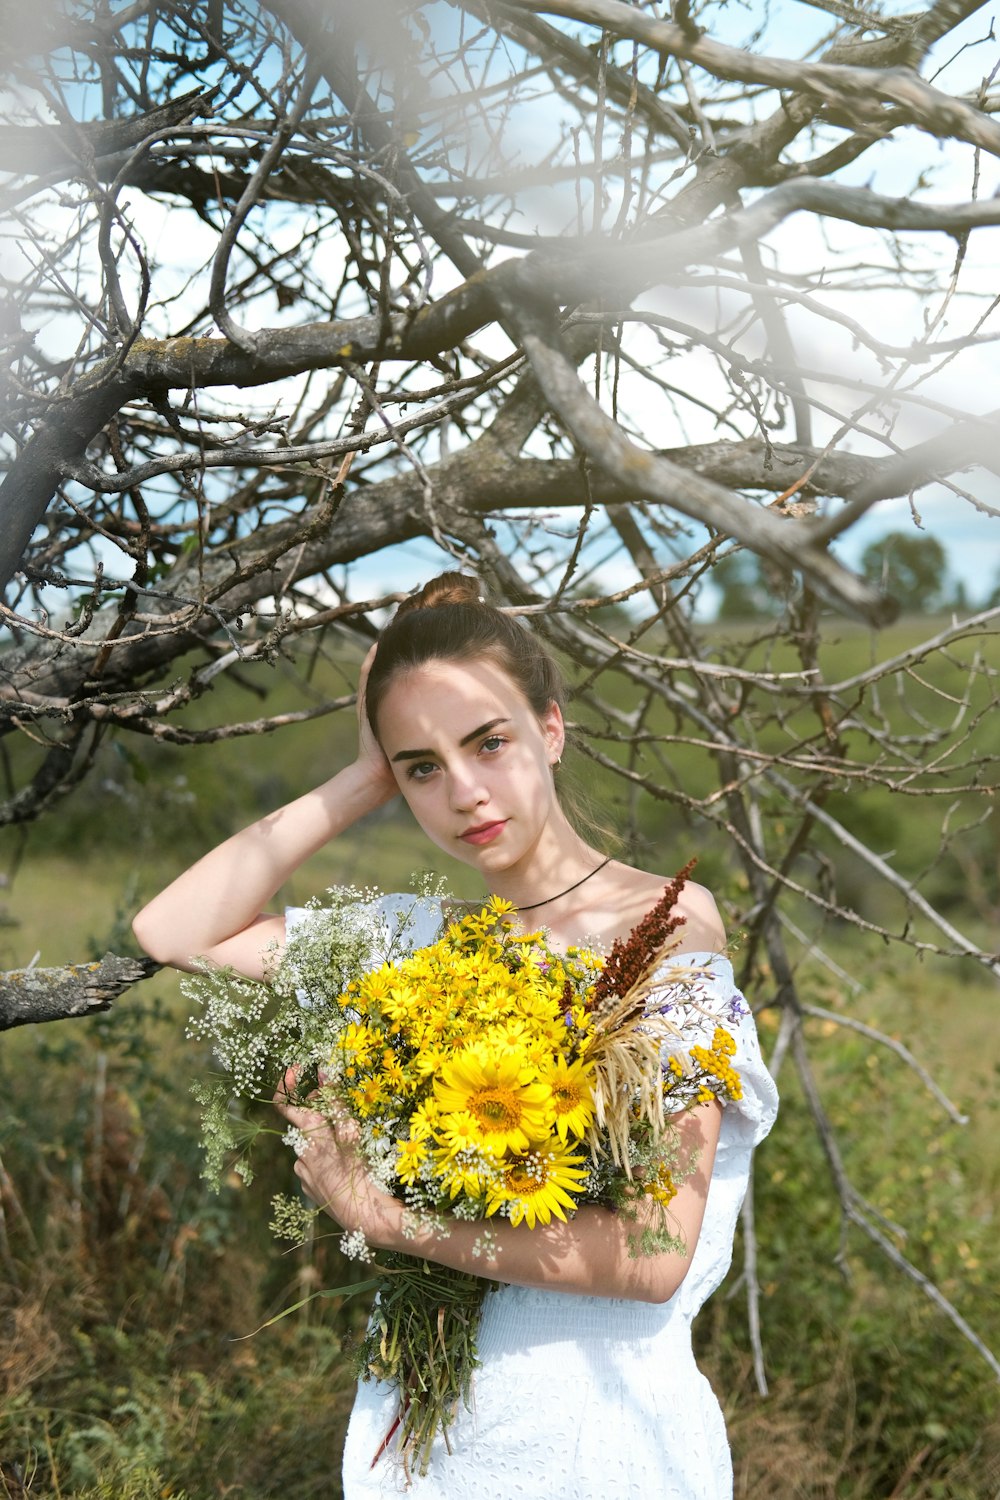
x: 587, y: 1382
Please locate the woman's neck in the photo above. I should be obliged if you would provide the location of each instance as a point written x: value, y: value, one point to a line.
x: 557, y: 865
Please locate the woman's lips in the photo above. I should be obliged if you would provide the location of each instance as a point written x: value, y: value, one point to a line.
x: 483, y: 833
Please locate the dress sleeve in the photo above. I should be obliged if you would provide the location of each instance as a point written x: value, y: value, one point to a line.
x: 391, y: 926
x: 296, y: 917
x: 704, y: 1000
x: 403, y: 922
x: 711, y: 999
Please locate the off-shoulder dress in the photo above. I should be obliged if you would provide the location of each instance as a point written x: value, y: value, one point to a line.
x: 581, y: 1397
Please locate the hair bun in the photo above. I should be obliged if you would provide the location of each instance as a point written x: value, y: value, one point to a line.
x: 447, y: 588
x: 423, y: 631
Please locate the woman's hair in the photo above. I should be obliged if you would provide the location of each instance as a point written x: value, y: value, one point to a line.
x: 449, y: 620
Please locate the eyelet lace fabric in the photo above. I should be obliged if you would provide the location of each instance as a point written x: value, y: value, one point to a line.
x: 579, y: 1398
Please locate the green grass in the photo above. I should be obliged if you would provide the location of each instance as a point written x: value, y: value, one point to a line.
x: 125, y: 1287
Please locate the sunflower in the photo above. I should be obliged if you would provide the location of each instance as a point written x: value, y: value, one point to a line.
x: 503, y: 1096
x: 538, y: 1184
x: 572, y: 1086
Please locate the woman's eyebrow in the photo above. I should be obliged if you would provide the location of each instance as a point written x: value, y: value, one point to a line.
x: 483, y: 729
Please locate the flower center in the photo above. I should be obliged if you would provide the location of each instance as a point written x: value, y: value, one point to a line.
x: 520, y: 1182
x: 496, y: 1109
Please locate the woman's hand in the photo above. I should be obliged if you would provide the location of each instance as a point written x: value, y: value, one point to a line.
x: 333, y: 1174
x: 219, y: 908
x: 370, y: 755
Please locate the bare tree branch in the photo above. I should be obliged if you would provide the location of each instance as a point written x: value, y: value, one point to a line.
x: 588, y: 301
x: 850, y: 88
x: 28, y: 996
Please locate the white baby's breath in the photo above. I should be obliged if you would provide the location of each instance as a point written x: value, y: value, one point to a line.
x: 297, y: 1139
x: 356, y: 1247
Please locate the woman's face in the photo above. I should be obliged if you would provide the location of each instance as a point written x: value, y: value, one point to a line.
x: 473, y: 759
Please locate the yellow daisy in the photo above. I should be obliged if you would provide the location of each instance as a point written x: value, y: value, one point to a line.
x: 410, y: 1157
x: 358, y: 1042
x: 368, y: 1097
x: 458, y: 1175
x: 572, y: 1086
x: 424, y: 1120
x: 429, y: 1060
x: 508, y: 1103
x: 538, y: 1184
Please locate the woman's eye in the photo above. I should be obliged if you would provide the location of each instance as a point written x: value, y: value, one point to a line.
x: 421, y: 770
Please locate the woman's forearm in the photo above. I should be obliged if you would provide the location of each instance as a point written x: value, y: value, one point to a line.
x: 215, y: 909
x: 589, y: 1255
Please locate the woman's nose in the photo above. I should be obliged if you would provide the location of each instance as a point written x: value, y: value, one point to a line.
x: 467, y: 790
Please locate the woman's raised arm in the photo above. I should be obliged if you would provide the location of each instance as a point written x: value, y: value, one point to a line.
x: 216, y: 909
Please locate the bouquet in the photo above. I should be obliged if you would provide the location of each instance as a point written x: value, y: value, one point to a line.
x: 490, y: 1077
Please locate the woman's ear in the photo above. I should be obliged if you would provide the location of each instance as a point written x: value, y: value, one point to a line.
x: 553, y: 732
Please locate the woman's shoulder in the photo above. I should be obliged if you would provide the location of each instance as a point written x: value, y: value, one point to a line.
x: 703, y: 931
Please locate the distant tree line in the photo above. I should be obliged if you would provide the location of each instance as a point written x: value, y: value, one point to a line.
x: 907, y: 567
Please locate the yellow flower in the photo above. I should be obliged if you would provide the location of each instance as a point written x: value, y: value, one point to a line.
x: 429, y: 1060
x: 572, y: 1086
x: 661, y: 1187
x: 459, y: 1132
x: 509, y: 1105
x: 715, y: 1062
x: 582, y: 1020
x: 457, y: 1175
x: 424, y: 1120
x: 538, y: 1184
x: 369, y: 1097
x: 410, y: 1157
x: 461, y: 1163
x: 358, y: 1042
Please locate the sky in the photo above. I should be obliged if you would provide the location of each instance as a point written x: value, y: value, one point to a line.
x: 970, y: 537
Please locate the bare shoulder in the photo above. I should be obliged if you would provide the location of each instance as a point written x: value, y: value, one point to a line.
x: 703, y: 931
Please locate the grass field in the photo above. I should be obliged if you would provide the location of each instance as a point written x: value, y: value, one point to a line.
x: 125, y: 1283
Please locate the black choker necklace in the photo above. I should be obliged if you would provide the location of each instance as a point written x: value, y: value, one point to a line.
x: 534, y: 905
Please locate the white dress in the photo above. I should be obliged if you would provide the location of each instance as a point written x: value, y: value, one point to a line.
x: 579, y: 1398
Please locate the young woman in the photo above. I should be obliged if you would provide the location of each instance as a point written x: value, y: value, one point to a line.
x: 587, y: 1384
